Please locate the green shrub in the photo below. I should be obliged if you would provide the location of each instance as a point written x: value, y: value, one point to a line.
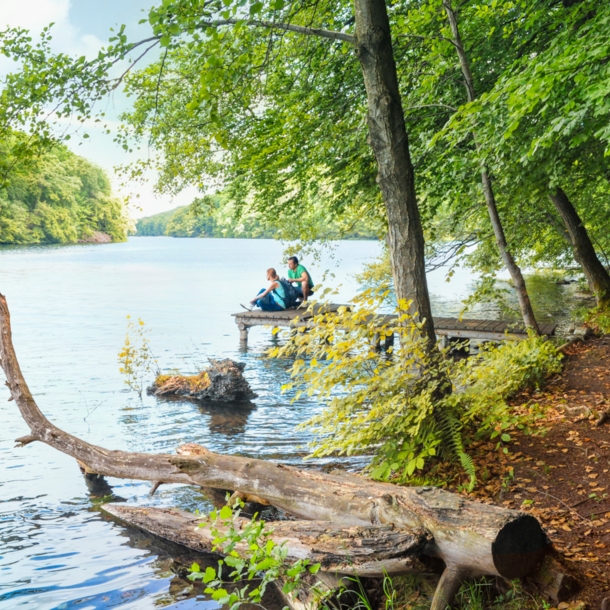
x: 408, y: 405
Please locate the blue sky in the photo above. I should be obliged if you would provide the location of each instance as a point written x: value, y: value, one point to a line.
x: 82, y: 27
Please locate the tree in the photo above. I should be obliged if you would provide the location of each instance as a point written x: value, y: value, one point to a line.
x: 542, y: 126
x: 524, y: 301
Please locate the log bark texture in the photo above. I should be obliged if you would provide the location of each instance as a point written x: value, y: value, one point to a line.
x: 598, y: 278
x: 369, y: 551
x: 516, y: 275
x: 389, y: 141
x: 470, y: 538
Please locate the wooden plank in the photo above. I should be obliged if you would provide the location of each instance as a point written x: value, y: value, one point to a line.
x: 488, y: 326
x: 467, y: 324
x: 492, y: 330
x: 548, y: 328
x: 445, y: 322
x: 481, y: 335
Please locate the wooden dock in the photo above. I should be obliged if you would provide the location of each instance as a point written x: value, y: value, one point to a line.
x: 446, y: 328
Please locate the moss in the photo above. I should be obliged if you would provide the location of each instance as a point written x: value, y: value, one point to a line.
x: 189, y: 383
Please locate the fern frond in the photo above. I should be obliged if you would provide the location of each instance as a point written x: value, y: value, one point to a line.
x: 451, y: 431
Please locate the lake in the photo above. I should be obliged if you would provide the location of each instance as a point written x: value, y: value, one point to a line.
x: 69, y: 306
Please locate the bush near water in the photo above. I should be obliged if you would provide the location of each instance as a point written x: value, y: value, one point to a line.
x: 408, y: 408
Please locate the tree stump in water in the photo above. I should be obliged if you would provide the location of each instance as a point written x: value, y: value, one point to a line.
x: 222, y: 381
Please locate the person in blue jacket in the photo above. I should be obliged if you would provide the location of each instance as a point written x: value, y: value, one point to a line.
x: 272, y: 299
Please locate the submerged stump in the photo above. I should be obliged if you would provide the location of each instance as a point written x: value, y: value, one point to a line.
x: 222, y: 381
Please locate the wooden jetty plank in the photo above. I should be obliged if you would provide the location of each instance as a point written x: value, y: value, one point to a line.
x: 468, y: 328
x: 548, y: 328
x: 444, y: 322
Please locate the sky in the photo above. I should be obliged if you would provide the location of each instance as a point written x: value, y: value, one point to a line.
x: 82, y: 27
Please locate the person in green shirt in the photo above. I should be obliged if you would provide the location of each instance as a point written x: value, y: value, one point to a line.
x: 300, y: 278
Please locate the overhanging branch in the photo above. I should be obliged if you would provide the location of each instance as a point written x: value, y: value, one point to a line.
x: 287, y: 27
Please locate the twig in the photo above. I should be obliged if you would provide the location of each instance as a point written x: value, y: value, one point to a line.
x: 600, y: 512
x: 566, y: 505
x: 580, y: 502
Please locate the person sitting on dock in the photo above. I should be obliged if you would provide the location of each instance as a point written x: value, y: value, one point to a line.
x: 298, y: 275
x: 272, y: 299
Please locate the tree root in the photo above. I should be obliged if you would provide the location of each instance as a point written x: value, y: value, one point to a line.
x: 603, y: 418
x: 447, y: 587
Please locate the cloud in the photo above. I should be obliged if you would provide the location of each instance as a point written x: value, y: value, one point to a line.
x: 34, y: 15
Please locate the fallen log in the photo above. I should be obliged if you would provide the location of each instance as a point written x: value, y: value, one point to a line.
x: 472, y: 539
x: 370, y: 551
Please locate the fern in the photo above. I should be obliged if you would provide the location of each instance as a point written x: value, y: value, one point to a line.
x: 451, y: 432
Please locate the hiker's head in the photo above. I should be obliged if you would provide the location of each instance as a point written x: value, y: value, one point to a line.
x: 271, y: 274
x: 293, y: 262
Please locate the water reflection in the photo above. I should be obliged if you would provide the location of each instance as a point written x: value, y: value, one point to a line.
x: 223, y: 418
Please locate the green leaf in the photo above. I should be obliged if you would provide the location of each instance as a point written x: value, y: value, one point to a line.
x: 381, y: 471
x: 209, y: 575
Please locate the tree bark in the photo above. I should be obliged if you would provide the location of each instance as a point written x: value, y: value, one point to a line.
x: 470, y: 538
x: 389, y: 141
x: 525, y: 305
x: 367, y: 551
x: 598, y: 278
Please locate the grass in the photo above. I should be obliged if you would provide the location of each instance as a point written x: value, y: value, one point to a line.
x: 414, y: 592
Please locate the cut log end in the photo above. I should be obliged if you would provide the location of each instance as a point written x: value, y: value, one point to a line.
x: 553, y: 580
x: 519, y: 547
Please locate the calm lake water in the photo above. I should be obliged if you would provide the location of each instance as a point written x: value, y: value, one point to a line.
x: 69, y: 306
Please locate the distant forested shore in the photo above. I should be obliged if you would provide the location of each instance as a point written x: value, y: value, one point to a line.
x: 61, y: 198
x: 215, y: 217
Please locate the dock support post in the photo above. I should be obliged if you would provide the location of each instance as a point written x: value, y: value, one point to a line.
x: 376, y: 342
x: 243, y: 334
x: 388, y: 342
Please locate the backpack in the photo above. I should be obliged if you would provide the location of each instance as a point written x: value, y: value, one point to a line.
x: 290, y: 300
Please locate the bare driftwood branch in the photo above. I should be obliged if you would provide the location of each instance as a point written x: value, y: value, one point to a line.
x: 471, y: 538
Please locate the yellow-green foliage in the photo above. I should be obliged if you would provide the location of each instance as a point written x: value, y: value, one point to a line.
x: 599, y: 319
x: 136, y: 359
x: 396, y: 406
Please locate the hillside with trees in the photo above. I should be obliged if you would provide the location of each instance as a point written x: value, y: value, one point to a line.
x: 217, y: 217
x: 193, y: 221
x: 60, y: 198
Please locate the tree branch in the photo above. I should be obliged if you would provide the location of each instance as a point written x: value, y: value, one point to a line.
x: 288, y: 27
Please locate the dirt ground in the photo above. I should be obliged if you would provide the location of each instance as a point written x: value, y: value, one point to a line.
x: 561, y: 472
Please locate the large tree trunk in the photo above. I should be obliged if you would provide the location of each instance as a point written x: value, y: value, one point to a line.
x: 507, y: 258
x: 470, y: 538
x: 388, y: 139
x: 584, y: 252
